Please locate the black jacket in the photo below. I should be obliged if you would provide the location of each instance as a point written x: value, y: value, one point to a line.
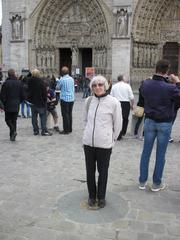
x: 37, y: 92
x: 12, y: 94
x: 24, y: 82
x: 160, y: 98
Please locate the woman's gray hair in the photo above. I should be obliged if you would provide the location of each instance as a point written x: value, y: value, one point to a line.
x: 99, y: 79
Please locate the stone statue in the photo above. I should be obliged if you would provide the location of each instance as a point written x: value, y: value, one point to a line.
x: 122, y: 23
x: 76, y: 10
x: 17, y: 27
x: 74, y: 56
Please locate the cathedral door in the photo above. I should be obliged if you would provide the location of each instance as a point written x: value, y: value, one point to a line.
x: 171, y: 53
x: 65, y: 58
x: 86, y: 59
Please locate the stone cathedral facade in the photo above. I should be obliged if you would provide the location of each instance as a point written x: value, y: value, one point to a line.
x: 113, y: 36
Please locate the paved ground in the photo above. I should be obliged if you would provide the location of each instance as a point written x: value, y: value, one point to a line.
x: 43, y: 189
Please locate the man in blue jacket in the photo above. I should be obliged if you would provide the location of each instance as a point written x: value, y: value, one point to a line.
x: 66, y: 87
x: 159, y: 99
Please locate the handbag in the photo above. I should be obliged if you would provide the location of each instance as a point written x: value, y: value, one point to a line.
x: 139, y: 111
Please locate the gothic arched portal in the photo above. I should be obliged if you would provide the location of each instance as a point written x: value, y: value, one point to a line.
x: 155, y: 23
x: 72, y: 25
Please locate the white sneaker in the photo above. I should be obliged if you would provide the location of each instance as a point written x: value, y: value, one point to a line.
x: 142, y: 186
x: 157, y: 188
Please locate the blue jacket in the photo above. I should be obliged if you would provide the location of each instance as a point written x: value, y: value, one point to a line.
x: 66, y: 86
x: 160, y: 98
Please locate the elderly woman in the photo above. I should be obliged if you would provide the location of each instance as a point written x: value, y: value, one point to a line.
x: 103, y: 123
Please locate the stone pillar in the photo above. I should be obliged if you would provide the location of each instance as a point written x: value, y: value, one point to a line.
x: 57, y: 61
x: 121, y: 49
x: 121, y: 40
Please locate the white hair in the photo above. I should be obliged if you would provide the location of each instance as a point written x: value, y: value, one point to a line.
x: 99, y: 79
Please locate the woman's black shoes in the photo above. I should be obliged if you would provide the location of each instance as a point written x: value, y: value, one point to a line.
x: 101, y: 203
x: 91, y: 202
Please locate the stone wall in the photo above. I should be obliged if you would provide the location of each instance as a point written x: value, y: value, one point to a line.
x: 19, y: 27
x: 15, y: 35
x: 128, y: 35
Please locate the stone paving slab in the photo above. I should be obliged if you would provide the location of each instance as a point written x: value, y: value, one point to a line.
x: 43, y: 183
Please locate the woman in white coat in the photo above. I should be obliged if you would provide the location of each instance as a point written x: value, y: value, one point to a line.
x: 103, y: 123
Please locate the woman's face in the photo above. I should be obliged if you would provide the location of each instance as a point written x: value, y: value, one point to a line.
x: 98, y: 88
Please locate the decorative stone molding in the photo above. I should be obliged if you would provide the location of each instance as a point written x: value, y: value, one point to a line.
x: 139, y: 74
x: 74, y: 19
x: 17, y: 26
x: 45, y: 60
x: 71, y: 24
x: 144, y: 55
x: 100, y: 57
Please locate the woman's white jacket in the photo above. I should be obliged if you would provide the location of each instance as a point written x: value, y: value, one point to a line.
x: 103, y: 121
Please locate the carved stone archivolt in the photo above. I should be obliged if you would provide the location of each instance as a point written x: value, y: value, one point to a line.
x: 170, y: 31
x: 139, y: 74
x: 153, y: 19
x: 17, y: 26
x: 154, y: 24
x: 71, y: 24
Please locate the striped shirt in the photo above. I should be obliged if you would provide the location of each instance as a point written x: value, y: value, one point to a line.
x: 66, y: 85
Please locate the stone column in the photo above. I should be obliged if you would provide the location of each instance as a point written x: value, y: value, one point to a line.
x: 57, y: 61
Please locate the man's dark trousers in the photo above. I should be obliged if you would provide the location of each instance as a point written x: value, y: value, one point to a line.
x: 66, y: 111
x: 125, y: 115
x: 11, y: 121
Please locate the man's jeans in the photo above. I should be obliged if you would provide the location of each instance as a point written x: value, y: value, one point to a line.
x: 23, y: 104
x: 42, y: 114
x: 162, y: 132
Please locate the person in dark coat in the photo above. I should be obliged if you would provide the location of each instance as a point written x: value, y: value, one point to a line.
x: 37, y: 96
x: 12, y: 95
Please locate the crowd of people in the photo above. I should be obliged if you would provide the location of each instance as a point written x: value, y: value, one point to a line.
x: 107, y: 110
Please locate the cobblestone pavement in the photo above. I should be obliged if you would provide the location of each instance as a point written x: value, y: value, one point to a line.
x: 43, y: 190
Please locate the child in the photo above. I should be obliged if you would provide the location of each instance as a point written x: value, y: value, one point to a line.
x: 51, y: 107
